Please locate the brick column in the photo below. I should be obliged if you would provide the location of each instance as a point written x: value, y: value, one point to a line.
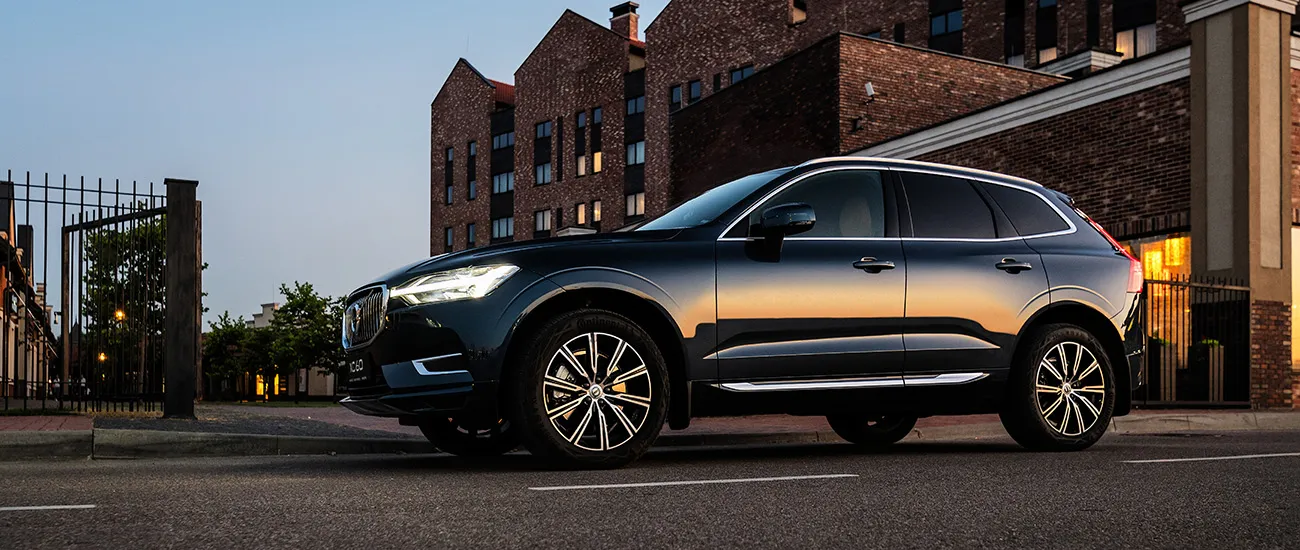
x: 1241, y: 158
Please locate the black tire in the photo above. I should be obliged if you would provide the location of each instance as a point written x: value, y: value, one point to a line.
x: 1083, y: 396
x: 641, y: 398
x: 470, y: 439
x: 871, y: 431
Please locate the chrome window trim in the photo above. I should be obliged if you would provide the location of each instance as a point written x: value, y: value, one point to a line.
x: 964, y: 174
x: 949, y: 379
x: 383, y: 315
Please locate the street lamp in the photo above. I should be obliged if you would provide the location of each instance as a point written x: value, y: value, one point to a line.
x: 119, y: 315
x: 103, y: 357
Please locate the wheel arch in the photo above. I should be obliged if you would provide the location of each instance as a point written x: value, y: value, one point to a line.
x: 639, y: 307
x: 1097, y: 324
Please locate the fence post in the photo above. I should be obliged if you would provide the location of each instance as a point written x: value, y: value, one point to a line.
x: 180, y: 338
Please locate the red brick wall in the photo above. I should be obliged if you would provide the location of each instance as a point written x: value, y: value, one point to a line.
x: 458, y: 115
x: 918, y: 88
x: 578, y: 66
x: 1270, y: 355
x: 733, y: 134
x: 1127, y: 162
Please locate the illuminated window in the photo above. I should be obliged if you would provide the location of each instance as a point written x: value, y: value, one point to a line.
x: 798, y: 12
x: 1135, y: 27
x: 582, y: 165
x: 1136, y: 42
x: 595, y: 162
x: 636, y: 204
x: 581, y: 209
x: 595, y: 211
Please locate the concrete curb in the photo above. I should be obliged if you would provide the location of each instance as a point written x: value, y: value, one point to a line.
x: 105, y: 443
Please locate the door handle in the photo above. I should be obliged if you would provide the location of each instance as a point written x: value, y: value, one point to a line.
x: 872, y: 265
x: 1010, y: 265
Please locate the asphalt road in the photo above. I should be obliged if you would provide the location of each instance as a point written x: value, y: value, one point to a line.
x: 971, y: 494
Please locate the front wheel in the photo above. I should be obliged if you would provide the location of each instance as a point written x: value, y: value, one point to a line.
x: 1061, y: 394
x: 592, y: 391
x: 475, y: 439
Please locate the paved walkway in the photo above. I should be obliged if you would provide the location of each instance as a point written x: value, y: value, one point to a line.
x: 44, y: 423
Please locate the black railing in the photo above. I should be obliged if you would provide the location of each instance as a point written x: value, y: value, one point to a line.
x: 82, y: 274
x: 1198, y: 345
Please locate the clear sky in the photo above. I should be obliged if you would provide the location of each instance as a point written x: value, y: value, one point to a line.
x: 306, y: 122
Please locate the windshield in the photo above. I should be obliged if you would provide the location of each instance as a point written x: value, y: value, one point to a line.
x: 708, y: 206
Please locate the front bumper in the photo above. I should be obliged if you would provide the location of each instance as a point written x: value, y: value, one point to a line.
x: 421, y: 387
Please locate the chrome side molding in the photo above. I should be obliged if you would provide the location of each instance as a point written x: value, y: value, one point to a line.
x: 856, y: 383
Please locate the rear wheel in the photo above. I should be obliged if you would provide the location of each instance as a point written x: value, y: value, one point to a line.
x: 464, y: 438
x: 1062, y: 393
x: 592, y: 392
x: 872, y: 431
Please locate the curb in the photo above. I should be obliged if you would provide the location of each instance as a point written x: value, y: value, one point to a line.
x: 161, y: 444
x: 59, y: 444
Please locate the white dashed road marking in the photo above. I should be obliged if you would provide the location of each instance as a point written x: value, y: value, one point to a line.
x: 39, y: 508
x: 1209, y: 458
x: 692, y: 482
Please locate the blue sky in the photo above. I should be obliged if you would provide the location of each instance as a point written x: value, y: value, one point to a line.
x: 305, y: 122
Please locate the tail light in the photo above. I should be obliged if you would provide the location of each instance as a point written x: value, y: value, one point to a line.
x: 1135, y: 274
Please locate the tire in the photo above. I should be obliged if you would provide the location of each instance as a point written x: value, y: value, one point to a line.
x: 455, y: 437
x: 559, y: 410
x: 1061, y: 392
x: 871, y: 431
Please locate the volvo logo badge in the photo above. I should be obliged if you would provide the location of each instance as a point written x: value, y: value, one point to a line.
x: 353, y: 318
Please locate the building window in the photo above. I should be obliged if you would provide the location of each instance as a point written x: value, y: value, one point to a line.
x: 597, y: 116
x: 900, y: 33
x: 582, y: 165
x: 473, y: 148
x: 636, y: 106
x: 449, y: 239
x: 580, y: 211
x: 1014, y: 33
x: 503, y: 183
x: 542, y: 174
x: 742, y: 73
x: 595, y: 211
x: 1093, y: 14
x: 694, y: 89
x: 636, y: 204
x: 717, y: 82
x: 544, y: 129
x: 542, y: 220
x: 1135, y: 28
x: 503, y: 141
x: 595, y: 162
x: 503, y: 228
x: 674, y: 98
x: 470, y: 235
x: 636, y: 153
x: 451, y: 154
x: 798, y: 12
x: 1045, y: 31
x: 582, y: 120
x: 945, y: 25
x: 874, y: 34
x: 472, y: 193
x: 450, y: 188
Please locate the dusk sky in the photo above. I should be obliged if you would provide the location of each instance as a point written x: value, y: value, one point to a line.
x: 305, y: 122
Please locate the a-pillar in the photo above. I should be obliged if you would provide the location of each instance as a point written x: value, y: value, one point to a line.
x: 1241, y: 192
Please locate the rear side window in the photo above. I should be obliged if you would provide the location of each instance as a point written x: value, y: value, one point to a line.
x: 944, y: 207
x: 1028, y: 212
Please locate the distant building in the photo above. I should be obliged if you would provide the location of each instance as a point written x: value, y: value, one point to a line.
x: 314, y: 382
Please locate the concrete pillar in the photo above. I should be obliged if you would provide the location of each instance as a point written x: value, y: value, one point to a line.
x: 1241, y: 191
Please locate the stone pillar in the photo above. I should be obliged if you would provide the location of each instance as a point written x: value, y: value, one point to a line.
x: 1241, y: 192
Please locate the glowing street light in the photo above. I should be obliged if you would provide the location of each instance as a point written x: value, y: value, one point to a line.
x: 119, y: 315
x: 103, y: 357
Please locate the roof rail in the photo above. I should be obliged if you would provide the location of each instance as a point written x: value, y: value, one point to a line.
x: 920, y: 164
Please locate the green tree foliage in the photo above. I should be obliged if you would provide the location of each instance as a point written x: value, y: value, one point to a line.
x: 306, y: 330
x: 124, y: 304
x: 223, y: 348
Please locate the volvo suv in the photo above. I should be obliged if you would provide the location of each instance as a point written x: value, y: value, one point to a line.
x: 870, y: 291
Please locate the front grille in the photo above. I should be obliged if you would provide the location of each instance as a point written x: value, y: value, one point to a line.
x: 363, y: 317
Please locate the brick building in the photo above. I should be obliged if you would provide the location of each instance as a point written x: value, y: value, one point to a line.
x: 1157, y: 115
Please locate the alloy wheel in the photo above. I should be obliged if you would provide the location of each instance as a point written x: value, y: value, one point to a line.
x: 1070, y: 388
x: 597, y: 391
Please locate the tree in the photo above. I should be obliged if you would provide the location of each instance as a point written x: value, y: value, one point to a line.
x: 306, y: 331
x: 223, y: 349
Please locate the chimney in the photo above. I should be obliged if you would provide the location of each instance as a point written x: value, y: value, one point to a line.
x: 624, y: 20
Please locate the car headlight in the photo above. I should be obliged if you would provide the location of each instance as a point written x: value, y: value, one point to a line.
x: 466, y: 283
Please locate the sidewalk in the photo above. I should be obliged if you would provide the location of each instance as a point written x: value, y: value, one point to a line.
x: 235, y: 430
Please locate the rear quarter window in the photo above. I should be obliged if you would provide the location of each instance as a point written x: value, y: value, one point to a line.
x: 1028, y: 212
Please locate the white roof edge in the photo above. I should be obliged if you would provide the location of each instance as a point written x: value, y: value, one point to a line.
x: 1119, y: 81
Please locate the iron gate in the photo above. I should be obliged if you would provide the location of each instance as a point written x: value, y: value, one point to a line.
x: 1198, y: 343
x: 85, y: 320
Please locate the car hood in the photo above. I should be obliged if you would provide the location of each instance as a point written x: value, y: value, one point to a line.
x: 514, y: 252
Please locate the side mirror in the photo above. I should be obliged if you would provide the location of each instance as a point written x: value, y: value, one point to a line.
x: 787, y: 219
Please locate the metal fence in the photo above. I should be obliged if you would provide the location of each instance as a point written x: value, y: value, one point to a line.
x: 84, y: 283
x: 1198, y: 346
